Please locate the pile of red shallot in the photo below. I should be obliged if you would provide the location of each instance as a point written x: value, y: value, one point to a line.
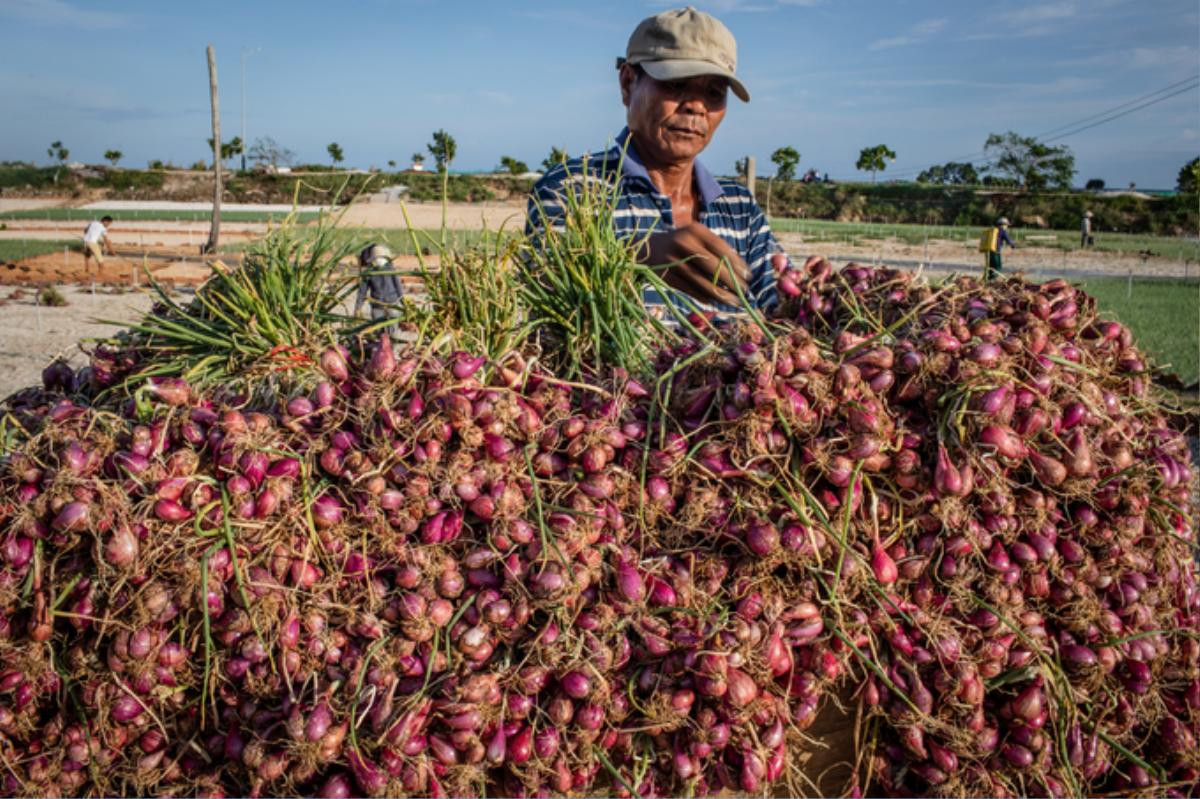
x: 955, y: 513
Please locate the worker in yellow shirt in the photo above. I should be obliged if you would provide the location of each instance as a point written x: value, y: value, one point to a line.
x: 991, y: 243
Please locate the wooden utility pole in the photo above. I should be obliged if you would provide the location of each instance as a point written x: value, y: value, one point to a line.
x: 750, y: 177
x: 214, y: 232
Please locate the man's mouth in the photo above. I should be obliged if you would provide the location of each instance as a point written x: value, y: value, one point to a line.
x: 682, y: 131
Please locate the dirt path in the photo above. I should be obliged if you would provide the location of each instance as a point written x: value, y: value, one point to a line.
x: 428, y: 216
x: 31, y: 335
x: 1036, y: 262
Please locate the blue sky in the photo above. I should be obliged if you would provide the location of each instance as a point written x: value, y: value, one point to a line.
x: 930, y: 79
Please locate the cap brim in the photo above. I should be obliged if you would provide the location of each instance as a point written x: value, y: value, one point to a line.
x: 677, y: 69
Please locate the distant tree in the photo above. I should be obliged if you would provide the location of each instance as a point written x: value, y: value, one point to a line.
x: 1095, y: 184
x: 199, y: 166
x: 555, y: 158
x: 113, y: 156
x: 418, y: 160
x: 335, y: 153
x: 513, y: 166
x: 443, y: 148
x: 391, y: 163
x: 996, y: 180
x: 874, y: 159
x: 951, y: 173
x: 59, y: 154
x: 1028, y: 162
x: 741, y: 167
x: 156, y: 163
x: 267, y: 152
x: 229, y: 149
x: 1189, y: 176
x: 785, y: 160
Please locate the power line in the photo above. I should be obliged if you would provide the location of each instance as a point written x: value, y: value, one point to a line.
x: 1116, y: 107
x: 1123, y: 113
x: 1126, y: 104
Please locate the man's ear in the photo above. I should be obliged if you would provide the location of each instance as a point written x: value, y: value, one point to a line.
x: 628, y: 77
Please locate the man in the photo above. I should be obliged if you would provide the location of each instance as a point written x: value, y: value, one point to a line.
x: 991, y: 244
x: 709, y: 234
x: 1085, y: 231
x: 95, y: 237
x: 381, y: 282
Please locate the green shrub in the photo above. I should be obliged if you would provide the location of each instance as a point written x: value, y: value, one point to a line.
x: 937, y: 205
x: 18, y: 175
x: 52, y: 297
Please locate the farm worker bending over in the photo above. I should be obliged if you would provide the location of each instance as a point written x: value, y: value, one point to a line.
x: 381, y: 282
x: 675, y: 77
x: 993, y: 239
x: 95, y: 237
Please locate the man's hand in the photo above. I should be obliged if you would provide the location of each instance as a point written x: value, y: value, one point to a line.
x: 705, y: 266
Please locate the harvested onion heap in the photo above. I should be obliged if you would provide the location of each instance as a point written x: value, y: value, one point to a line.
x: 443, y: 576
x: 1036, y: 505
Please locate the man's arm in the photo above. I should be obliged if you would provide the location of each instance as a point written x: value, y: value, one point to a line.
x: 1004, y: 239
x: 699, y: 263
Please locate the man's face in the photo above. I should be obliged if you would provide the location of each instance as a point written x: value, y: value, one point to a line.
x: 672, y: 121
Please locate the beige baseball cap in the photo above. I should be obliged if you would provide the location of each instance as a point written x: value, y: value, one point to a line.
x: 684, y: 43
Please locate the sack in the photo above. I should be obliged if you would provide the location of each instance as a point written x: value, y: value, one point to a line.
x: 989, y: 240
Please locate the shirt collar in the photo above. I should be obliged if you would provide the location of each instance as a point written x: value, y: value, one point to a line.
x: 633, y: 167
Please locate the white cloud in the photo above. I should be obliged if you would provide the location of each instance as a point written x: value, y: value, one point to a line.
x: 1042, y: 13
x: 1067, y: 84
x: 743, y: 6
x: 1182, y: 57
x: 497, y: 97
x: 929, y: 27
x: 1164, y: 57
x: 894, y: 41
x: 1034, y: 20
x: 732, y: 6
x: 60, y: 12
x: 916, y: 34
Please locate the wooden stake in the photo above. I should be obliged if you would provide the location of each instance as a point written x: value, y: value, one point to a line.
x: 214, y: 233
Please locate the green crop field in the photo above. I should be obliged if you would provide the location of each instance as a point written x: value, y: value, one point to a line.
x: 1171, y: 247
x: 152, y: 215
x: 1164, y: 316
x: 16, y: 249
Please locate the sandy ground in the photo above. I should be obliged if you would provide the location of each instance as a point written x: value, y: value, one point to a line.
x: 428, y: 216
x: 29, y: 203
x: 31, y: 335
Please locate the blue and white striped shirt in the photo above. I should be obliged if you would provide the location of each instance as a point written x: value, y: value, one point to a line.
x: 724, y: 206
